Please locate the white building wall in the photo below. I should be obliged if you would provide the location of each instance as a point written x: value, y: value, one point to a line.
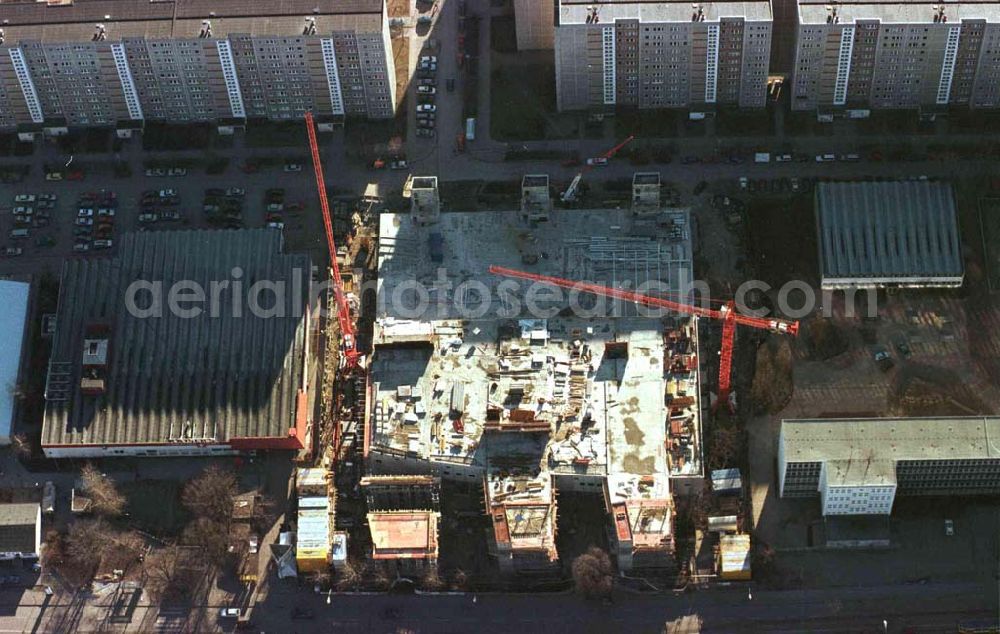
x: 160, y: 451
x: 857, y: 500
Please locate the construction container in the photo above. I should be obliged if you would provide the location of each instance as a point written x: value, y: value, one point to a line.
x: 734, y: 557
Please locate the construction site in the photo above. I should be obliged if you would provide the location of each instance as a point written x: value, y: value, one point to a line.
x: 469, y: 391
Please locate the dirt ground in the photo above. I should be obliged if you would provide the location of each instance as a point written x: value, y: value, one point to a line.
x: 401, y: 60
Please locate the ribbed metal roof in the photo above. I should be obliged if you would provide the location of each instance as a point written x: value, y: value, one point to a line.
x: 171, y: 378
x: 902, y: 229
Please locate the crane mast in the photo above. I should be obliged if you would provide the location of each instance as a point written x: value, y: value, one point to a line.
x: 347, y: 334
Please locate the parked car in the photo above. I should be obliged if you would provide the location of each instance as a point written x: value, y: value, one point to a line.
x: 275, y: 225
x: 106, y: 211
x: 12, y: 251
x: 80, y: 247
x: 425, y: 133
x: 426, y: 107
x: 177, y: 171
x: 170, y: 215
x: 229, y: 613
x: 426, y: 90
x: 398, y: 165
x: 102, y: 244
x: 293, y: 167
x: 428, y: 81
x: 25, y: 211
x: 599, y: 161
x: 450, y: 85
x: 53, y: 176
x: 236, y: 191
x: 275, y: 208
x: 825, y: 158
x: 148, y: 217
x: 85, y: 212
x: 428, y: 59
x: 48, y: 197
x: 167, y: 193
x: 949, y: 528
x: 24, y: 198
x: 85, y: 222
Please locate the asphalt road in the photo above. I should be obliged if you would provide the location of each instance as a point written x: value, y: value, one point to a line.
x: 915, y: 608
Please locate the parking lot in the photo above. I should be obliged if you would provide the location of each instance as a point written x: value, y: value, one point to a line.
x: 83, y: 218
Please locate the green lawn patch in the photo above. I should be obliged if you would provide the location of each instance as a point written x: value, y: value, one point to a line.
x: 522, y: 102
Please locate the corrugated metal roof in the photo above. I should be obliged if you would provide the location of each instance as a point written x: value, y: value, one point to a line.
x: 231, y: 375
x: 899, y: 229
x: 13, y: 314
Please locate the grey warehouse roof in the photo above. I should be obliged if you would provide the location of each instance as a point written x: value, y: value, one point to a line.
x: 171, y: 378
x: 903, y: 232
x: 17, y: 527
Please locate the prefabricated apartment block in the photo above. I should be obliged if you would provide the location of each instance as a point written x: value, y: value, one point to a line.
x: 661, y: 54
x: 122, y: 62
x: 913, y: 54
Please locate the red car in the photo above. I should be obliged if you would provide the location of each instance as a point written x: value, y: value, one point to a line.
x: 76, y: 175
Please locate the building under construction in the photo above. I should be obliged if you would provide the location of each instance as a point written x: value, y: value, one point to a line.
x: 403, y: 518
x: 479, y: 379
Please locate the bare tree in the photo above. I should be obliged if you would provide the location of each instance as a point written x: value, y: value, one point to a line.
x: 378, y: 575
x: 432, y: 581
x: 105, y: 498
x: 593, y: 574
x: 21, y: 446
x: 211, y: 494
x: 460, y: 580
x: 210, y: 536
x: 87, y: 541
x: 160, y: 568
x: 349, y: 577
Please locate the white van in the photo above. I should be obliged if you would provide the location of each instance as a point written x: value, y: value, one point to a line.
x: 19, y: 234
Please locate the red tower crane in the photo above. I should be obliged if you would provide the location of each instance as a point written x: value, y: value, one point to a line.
x: 347, y: 334
x: 727, y: 313
x: 570, y: 194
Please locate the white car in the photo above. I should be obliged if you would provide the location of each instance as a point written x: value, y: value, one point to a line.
x: 428, y: 59
x: 106, y: 211
x: 825, y: 158
x: 177, y: 171
x: 85, y: 222
x: 426, y: 107
x: 426, y: 90
x: 293, y: 167
x: 85, y: 212
x: 48, y: 197
x: 275, y: 225
x: 168, y: 193
x: 145, y: 218
x: 23, y: 211
x: 783, y: 158
x: 13, y: 251
x: 229, y: 613
x: 81, y: 247
x: 53, y: 176
x: 236, y: 191
x: 156, y: 171
x: 599, y: 161
x: 275, y: 208
x: 102, y: 244
x: 24, y: 198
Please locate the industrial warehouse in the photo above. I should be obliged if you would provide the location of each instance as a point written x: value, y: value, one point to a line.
x: 529, y: 400
x: 124, y: 383
x: 888, y: 234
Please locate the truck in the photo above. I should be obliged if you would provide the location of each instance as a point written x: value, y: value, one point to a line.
x: 762, y: 157
x: 470, y: 129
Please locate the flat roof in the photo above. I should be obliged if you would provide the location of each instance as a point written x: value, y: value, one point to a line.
x: 576, y: 12
x: 220, y: 375
x: 866, y: 450
x: 888, y: 232
x: 900, y: 12
x: 641, y: 508
x: 404, y: 534
x: 523, y: 510
x: 18, y: 527
x: 182, y: 19
x: 13, y: 318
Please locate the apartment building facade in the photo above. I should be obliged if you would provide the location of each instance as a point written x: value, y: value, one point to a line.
x: 905, y: 55
x: 662, y: 55
x: 122, y: 62
x: 859, y: 466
